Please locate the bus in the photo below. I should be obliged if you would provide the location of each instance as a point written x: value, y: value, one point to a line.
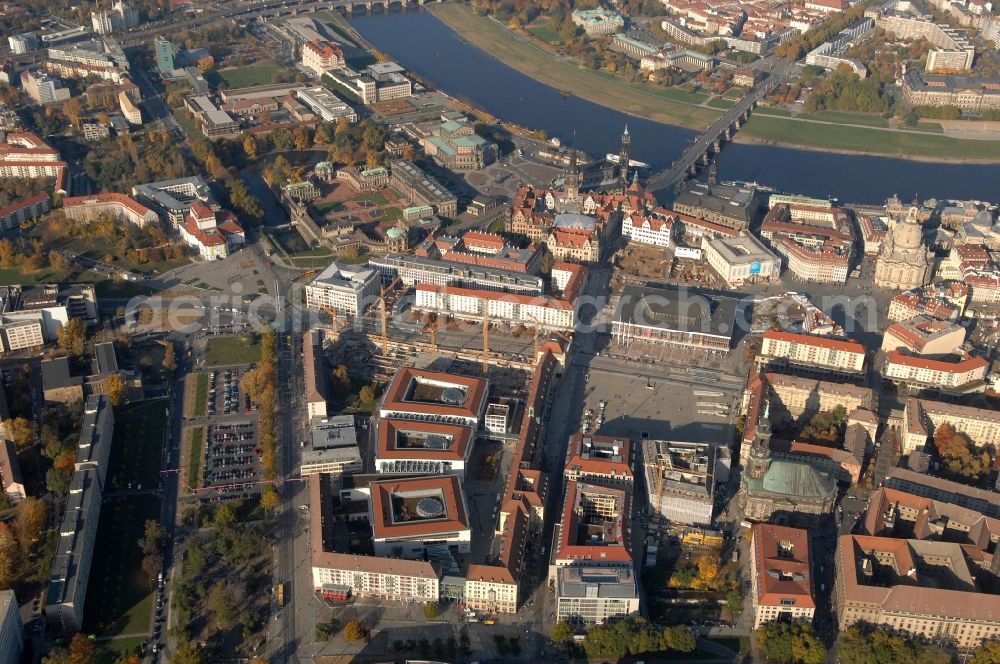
x: 281, y: 595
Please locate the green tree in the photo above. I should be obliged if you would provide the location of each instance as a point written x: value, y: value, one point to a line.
x: 988, y: 653
x: 21, y: 432
x: 679, y: 638
x: 269, y: 498
x: 353, y: 631
x: 562, y: 634
x: 790, y: 643
x: 224, y: 515
x: 188, y: 654
x: 220, y: 602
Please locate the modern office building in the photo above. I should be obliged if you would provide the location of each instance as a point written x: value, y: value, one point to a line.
x: 595, y: 528
x: 172, y: 199
x: 433, y: 396
x: 741, y: 259
x: 11, y: 629
x: 669, y: 316
x: 326, y: 105
x: 349, y: 290
x: 409, y: 515
x: 215, y: 122
x: 600, y: 458
x: 408, y: 447
x: 332, y: 447
x: 595, y: 595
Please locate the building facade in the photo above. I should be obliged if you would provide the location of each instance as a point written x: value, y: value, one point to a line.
x: 347, y: 289
x: 781, y: 586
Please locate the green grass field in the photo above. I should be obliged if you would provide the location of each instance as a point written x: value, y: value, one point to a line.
x: 866, y: 119
x: 138, y: 444
x: 201, y: 395
x: 119, y: 597
x: 721, y: 102
x: 734, y: 93
x: 854, y: 139
x: 194, y: 462
x: 258, y: 74
x: 188, y: 124
x: 599, y: 87
x: 543, y: 33
x: 113, y: 650
x: 374, y: 197
x: 222, y: 351
x: 776, y: 112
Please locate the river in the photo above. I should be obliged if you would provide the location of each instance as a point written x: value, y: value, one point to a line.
x: 425, y: 45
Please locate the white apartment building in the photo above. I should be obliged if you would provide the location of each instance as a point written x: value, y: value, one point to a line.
x: 968, y: 372
x: 120, y: 206
x: 379, y: 578
x: 812, y: 353
x: 347, y: 289
x: 491, y: 588
x: 647, y: 230
x: 22, y: 330
x: 469, y: 304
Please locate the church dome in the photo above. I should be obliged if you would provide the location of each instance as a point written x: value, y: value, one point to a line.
x: 908, y: 235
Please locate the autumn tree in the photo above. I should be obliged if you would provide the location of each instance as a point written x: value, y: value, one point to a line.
x: 269, y: 498
x: 188, y: 654
x: 10, y: 556
x: 790, y: 643
x: 21, y: 432
x: 367, y: 395
x: 250, y: 146
x: 431, y: 610
x: 220, y: 602
x: 353, y: 631
x: 169, y: 356
x: 30, y: 523
x: 114, y: 388
x: 72, y: 336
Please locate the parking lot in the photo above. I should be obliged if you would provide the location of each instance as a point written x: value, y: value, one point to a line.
x: 232, y: 463
x: 224, y: 391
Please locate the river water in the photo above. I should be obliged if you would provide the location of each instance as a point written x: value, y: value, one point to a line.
x: 425, y: 45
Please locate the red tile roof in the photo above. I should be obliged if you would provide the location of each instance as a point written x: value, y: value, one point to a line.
x: 383, y: 491
x: 389, y: 428
x: 121, y: 199
x: 782, y: 572
x: 397, y: 393
x: 967, y: 363
x: 27, y: 202
x: 816, y: 340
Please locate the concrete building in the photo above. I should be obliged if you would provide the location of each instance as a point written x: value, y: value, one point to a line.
x: 121, y: 16
x: 22, y: 43
x: 67, y: 590
x: 327, y: 106
x: 663, y: 315
x: 42, y: 88
x: 315, y: 373
x: 433, y: 396
x: 680, y: 481
x: 22, y: 331
x: 119, y: 206
x: 172, y: 199
x: 921, y: 588
x: 419, y: 188
x: 215, y: 122
x: 922, y: 416
x: 830, y: 54
x: 595, y: 595
x: 800, y: 397
x: 409, y: 515
x: 129, y: 109
x: 164, y: 52
x: 923, y: 335
x: 347, y: 289
x: 332, y: 447
x: 816, y: 240
x: 11, y: 629
x: 543, y: 311
x: 651, y: 229
x: 414, y: 270
x: 945, y: 491
x: 12, y: 216
x: 971, y: 94
x: 11, y: 481
x: 601, y: 459
x: 422, y: 448
x: 25, y: 155
x: 811, y: 353
x: 781, y: 584
x: 741, y: 259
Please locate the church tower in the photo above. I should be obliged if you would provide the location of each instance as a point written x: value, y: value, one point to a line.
x: 573, y: 177
x: 623, y: 157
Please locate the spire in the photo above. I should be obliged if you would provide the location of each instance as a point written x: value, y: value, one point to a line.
x: 626, y: 130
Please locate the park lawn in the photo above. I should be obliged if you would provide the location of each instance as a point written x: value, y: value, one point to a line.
x: 374, y: 197
x: 201, y: 395
x: 194, y: 461
x: 926, y: 126
x: 323, y: 208
x: 221, y: 351
x: 777, y: 112
x: 870, y: 141
x: 242, y: 77
x: 310, y: 261
x: 496, y: 226
x: 315, y: 251
x: 544, y: 33
x: 113, y: 650
x: 845, y: 117
x: 187, y: 123
x: 391, y: 214
x: 138, y: 444
x: 120, y: 595
x: 721, y: 102
x: 518, y: 52
x: 43, y: 276
x: 734, y: 93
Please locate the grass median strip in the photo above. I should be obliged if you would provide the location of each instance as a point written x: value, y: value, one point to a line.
x: 194, y: 460
x: 201, y: 395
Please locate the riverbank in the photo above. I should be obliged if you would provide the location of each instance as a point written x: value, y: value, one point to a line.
x: 520, y: 53
x: 854, y: 139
